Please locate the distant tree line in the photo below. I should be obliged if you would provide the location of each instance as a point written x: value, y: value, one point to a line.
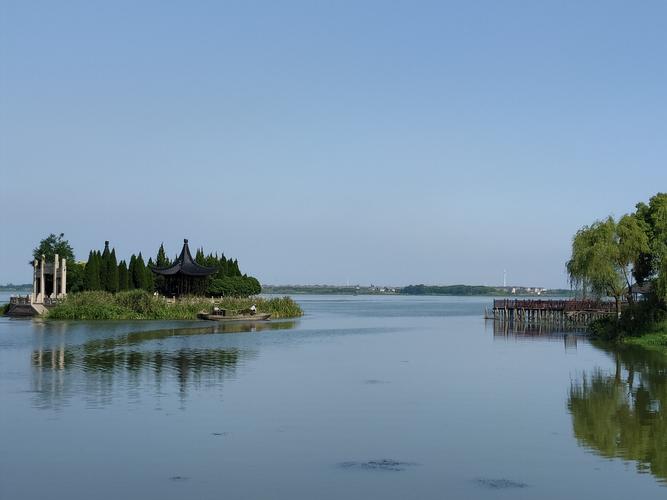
x: 102, y: 271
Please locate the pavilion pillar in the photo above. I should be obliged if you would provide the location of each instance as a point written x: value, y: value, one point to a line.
x: 42, y: 291
x: 34, y: 281
x: 55, y: 277
x: 63, y: 277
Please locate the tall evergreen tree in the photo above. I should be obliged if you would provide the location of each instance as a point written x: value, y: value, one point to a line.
x: 122, y: 276
x: 90, y: 273
x: 149, y: 279
x: 130, y: 272
x: 199, y: 257
x: 161, y: 260
x: 104, y: 267
x: 112, y: 272
x: 139, y: 273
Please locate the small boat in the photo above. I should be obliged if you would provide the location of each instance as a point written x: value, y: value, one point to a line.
x: 217, y: 316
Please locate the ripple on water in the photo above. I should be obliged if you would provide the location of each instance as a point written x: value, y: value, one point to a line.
x: 387, y: 464
x: 499, y: 484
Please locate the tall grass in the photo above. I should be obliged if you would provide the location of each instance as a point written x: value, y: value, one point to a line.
x: 138, y: 304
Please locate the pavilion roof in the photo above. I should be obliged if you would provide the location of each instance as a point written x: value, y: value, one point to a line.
x: 185, y: 264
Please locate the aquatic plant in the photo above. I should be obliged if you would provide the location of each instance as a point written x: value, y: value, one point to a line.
x: 139, y: 304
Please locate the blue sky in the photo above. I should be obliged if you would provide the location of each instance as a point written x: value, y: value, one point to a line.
x: 321, y: 142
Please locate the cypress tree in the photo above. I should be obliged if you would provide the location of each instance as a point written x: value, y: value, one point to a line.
x: 104, y: 267
x: 112, y: 272
x: 130, y: 272
x: 199, y: 256
x: 89, y: 273
x: 122, y: 276
x: 161, y: 259
x: 139, y: 273
x: 149, y: 278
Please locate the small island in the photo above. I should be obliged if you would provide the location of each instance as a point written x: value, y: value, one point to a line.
x: 102, y: 288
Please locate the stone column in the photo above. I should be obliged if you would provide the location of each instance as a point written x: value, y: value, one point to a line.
x: 63, y: 277
x: 55, y: 277
x: 42, y: 291
x: 34, y: 281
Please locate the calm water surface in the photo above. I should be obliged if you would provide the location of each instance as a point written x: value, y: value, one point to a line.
x: 364, y: 397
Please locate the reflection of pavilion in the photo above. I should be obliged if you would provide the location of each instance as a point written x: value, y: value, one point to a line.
x: 136, y: 360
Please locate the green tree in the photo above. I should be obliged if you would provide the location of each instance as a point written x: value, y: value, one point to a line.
x: 52, y: 245
x: 139, y: 273
x: 149, y: 278
x: 112, y: 272
x: 104, y: 267
x: 603, y: 255
x: 76, y: 272
x: 122, y: 276
x: 131, y: 272
x: 161, y: 260
x: 92, y: 272
x: 653, y: 219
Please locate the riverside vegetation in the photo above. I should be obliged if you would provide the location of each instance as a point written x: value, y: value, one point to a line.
x: 104, y: 289
x: 139, y: 305
x: 622, y: 260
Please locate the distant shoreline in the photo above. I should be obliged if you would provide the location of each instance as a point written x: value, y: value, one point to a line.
x: 417, y: 290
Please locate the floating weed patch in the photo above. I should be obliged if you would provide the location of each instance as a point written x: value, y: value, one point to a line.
x: 499, y: 484
x: 386, y: 464
x: 179, y: 478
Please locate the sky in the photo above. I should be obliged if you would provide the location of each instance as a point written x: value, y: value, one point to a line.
x: 330, y: 142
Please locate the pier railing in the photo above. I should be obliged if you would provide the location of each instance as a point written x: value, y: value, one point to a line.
x: 551, y: 311
x: 555, y: 305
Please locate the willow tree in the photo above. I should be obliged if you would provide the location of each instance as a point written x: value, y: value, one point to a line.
x: 604, y: 255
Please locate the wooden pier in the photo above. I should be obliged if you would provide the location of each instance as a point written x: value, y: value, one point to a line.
x: 554, y: 312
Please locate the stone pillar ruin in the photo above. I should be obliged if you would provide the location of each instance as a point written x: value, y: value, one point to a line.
x: 42, y: 291
x: 54, y: 294
x: 63, y: 279
x: 34, y: 281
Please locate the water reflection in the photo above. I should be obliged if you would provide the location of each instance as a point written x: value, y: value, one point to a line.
x: 506, y: 330
x: 136, y: 360
x: 624, y: 414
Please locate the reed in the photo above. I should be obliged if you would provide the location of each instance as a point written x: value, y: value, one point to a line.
x: 139, y: 304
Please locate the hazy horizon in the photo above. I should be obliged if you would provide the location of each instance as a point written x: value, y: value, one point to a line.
x: 436, y: 143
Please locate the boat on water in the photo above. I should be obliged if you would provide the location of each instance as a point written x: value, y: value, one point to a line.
x: 222, y: 316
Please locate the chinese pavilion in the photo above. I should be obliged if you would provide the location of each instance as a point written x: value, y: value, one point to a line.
x: 184, y: 276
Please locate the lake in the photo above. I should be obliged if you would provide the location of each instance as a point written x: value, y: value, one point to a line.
x: 364, y: 397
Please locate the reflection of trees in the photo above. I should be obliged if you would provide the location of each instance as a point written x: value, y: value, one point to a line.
x: 133, y: 361
x: 624, y: 414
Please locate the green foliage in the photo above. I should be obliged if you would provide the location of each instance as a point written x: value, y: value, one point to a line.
x: 76, y: 274
x: 139, y: 304
x: 112, y: 272
x: 92, y: 271
x: 653, y: 219
x: 234, y: 286
x: 52, y: 245
x: 138, y: 272
x: 123, y: 276
x: 623, y: 414
x: 131, y: 272
x: 149, y: 278
x: 603, y: 254
x: 161, y: 260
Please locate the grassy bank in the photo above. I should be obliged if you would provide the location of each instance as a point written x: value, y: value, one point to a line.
x: 138, y: 304
x: 656, y: 336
